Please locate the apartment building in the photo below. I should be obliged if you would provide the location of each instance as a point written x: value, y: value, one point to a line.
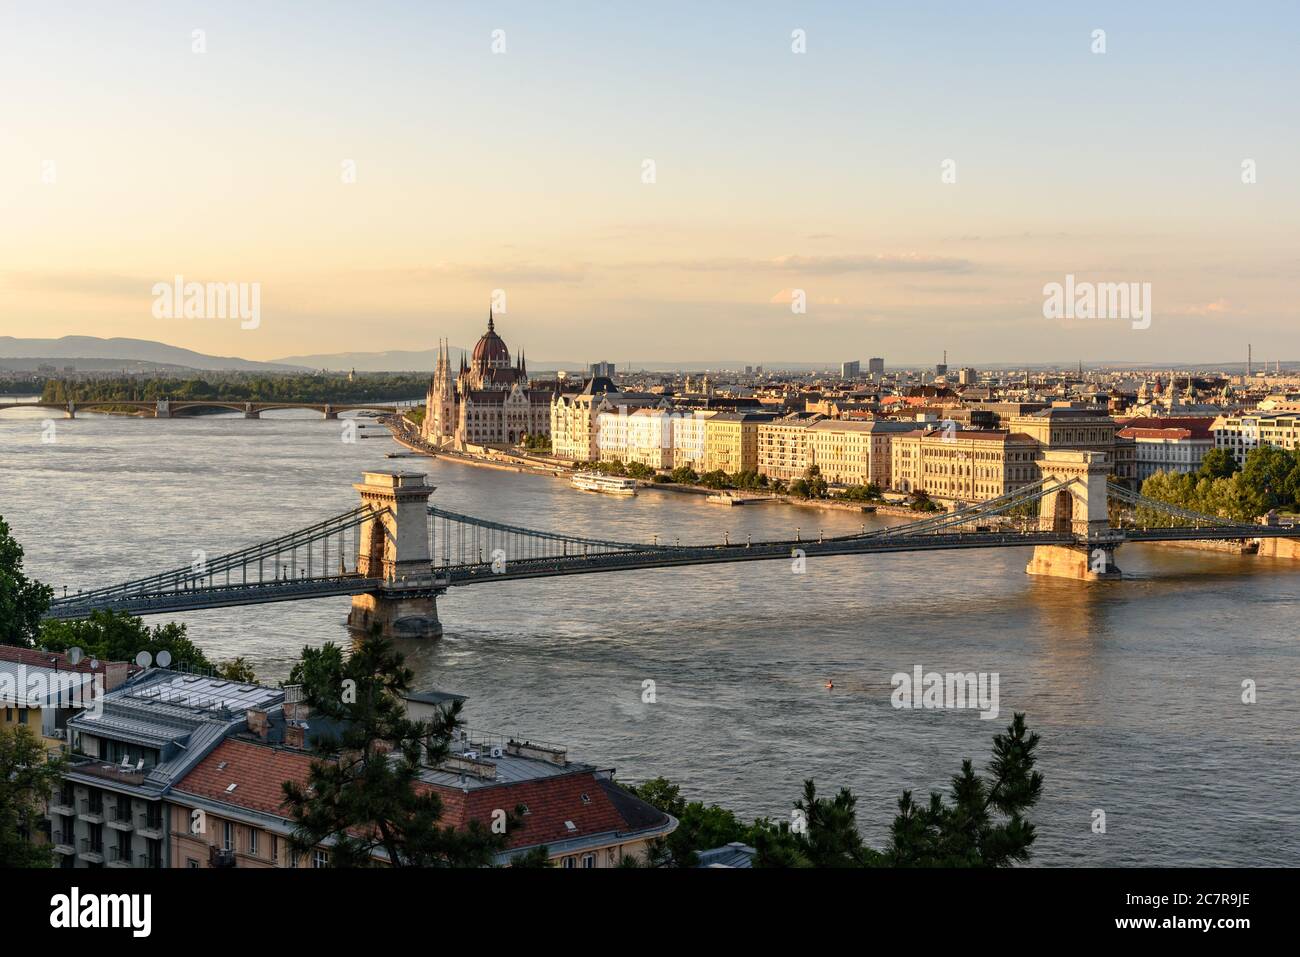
x: 731, y: 441
x: 41, y: 690
x: 124, y: 756
x: 689, y: 439
x: 966, y: 467
x: 1242, y: 432
x: 853, y: 452
x: 574, y: 417
x: 1168, y: 449
x: 784, y: 449
x: 575, y: 810
x: 649, y: 438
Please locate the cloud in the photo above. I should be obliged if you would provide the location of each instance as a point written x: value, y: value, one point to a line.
x: 84, y: 283
x: 882, y: 263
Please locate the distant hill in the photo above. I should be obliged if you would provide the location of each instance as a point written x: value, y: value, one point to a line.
x: 135, y: 354
x: 396, y: 360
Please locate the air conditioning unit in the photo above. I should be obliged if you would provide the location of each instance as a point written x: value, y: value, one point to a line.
x: 498, y: 752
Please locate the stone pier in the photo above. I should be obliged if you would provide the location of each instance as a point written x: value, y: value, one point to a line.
x: 394, y: 546
x: 1079, y: 509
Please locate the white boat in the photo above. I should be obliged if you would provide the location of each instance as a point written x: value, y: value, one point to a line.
x: 609, y: 484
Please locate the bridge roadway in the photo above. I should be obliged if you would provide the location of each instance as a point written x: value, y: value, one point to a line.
x: 444, y: 577
x: 167, y: 408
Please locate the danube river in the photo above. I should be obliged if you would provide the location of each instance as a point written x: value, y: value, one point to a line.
x: 1134, y: 686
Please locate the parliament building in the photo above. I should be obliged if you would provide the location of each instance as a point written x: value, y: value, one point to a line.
x: 489, y: 400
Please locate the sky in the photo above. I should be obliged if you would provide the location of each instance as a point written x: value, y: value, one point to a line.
x: 915, y: 177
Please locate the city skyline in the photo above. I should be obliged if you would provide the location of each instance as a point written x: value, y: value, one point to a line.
x: 477, y: 171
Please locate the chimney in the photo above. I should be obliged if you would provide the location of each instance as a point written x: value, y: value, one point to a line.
x: 296, y: 707
x: 257, y: 722
x: 295, y: 735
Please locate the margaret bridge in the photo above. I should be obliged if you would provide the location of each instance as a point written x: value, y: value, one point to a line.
x: 167, y: 408
x: 394, y: 554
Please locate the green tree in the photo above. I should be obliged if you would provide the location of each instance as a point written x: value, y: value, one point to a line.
x: 28, y: 776
x: 968, y: 832
x: 237, y: 669
x: 825, y: 835
x: 1218, y: 463
x: 1267, y: 477
x: 685, y: 475
x: 699, y: 828
x: 364, y: 792
x: 22, y: 600
x: 117, y: 636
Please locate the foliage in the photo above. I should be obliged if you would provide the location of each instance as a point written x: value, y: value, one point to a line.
x: 700, y: 827
x: 22, y: 600
x: 966, y: 833
x: 985, y: 825
x: 117, y: 636
x: 921, y: 502
x: 236, y: 669
x: 246, y: 387
x: 1270, y: 479
x: 685, y: 475
x: 537, y: 443
x: 861, y: 493
x: 364, y: 793
x: 28, y: 776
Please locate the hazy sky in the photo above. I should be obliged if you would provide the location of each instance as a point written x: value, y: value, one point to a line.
x: 127, y: 158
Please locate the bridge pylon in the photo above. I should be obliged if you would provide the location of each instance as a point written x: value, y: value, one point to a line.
x: 393, y: 546
x: 1078, y: 508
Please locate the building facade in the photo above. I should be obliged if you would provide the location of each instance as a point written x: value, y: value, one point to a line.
x: 966, y: 467
x: 488, y: 402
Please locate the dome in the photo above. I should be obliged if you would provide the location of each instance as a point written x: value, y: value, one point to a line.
x: 491, y: 351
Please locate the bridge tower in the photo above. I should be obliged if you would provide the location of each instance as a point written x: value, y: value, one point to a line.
x: 393, y: 545
x: 163, y: 410
x: 1079, y: 509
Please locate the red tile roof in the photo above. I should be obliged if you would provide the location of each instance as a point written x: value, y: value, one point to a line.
x: 37, y: 658
x: 257, y: 770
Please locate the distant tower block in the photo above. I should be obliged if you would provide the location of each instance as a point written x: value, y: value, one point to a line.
x: 393, y: 546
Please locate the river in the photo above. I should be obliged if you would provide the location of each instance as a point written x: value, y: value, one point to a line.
x: 1134, y: 686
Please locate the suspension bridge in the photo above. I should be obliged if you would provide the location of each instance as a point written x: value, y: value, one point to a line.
x: 394, y: 554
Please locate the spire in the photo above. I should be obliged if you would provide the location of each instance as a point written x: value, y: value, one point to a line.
x: 491, y: 324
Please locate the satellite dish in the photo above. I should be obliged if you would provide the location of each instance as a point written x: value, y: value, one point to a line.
x: 75, y: 655
x: 144, y: 659
x: 164, y: 658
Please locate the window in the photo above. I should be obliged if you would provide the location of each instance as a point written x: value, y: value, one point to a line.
x: 191, y: 862
x: 252, y: 840
x: 570, y: 863
x: 588, y: 860
x: 320, y: 858
x: 227, y: 836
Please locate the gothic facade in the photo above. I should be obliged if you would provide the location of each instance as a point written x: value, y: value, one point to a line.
x: 488, y: 401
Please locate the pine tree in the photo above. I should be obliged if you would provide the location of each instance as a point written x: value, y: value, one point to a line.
x: 364, y: 792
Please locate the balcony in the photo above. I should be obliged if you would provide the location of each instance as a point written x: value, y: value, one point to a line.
x: 151, y: 860
x: 118, y: 857
x: 149, y: 825
x: 63, y: 804
x: 92, y: 851
x: 220, y: 857
x: 63, y: 842
x: 122, y: 818
x: 91, y: 811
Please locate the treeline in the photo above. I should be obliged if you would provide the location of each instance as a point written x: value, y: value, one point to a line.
x: 23, y: 386
x: 1269, y: 480
x: 260, y: 387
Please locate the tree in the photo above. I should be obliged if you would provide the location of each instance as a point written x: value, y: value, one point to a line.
x: 22, y: 600
x: 364, y: 793
x: 699, y: 827
x: 236, y: 669
x: 1218, y: 463
x: 1266, y: 477
x: 28, y: 776
x: 117, y: 636
x: 685, y: 475
x: 825, y: 835
x: 965, y: 833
